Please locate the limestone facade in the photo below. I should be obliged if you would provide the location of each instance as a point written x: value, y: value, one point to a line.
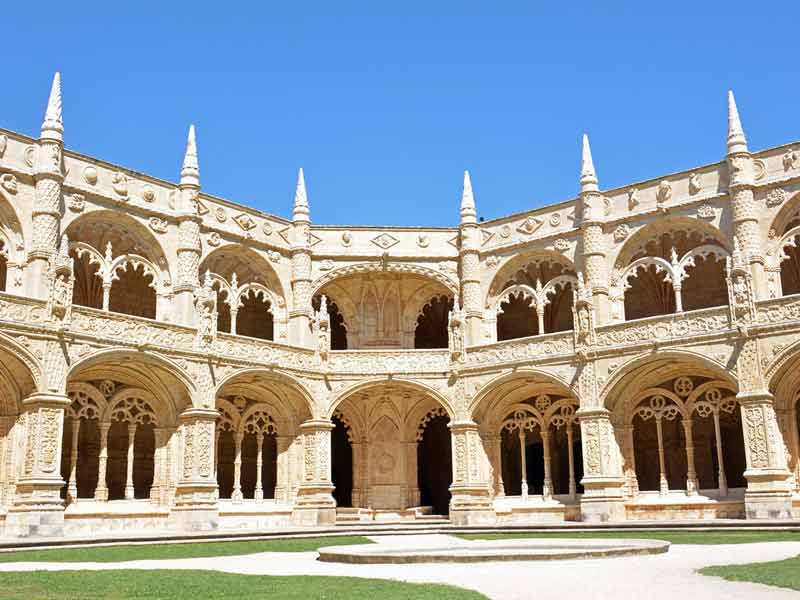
x: 172, y: 360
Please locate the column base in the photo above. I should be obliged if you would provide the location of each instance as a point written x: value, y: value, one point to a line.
x: 196, y: 507
x: 768, y: 495
x: 471, y: 506
x: 314, y: 506
x: 602, y: 500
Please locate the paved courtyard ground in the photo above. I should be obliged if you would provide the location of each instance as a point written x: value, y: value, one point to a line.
x: 666, y: 576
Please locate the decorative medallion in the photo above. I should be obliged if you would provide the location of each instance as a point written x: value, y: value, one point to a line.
x: 75, y: 202
x: 107, y: 387
x: 706, y: 211
x: 505, y: 231
x: 90, y: 175
x: 423, y: 241
x: 119, y: 183
x: 385, y: 241
x: 621, y: 232
x: 266, y: 227
x: 202, y: 209
x: 530, y: 225
x: 347, y: 239
x: 214, y: 239
x: 760, y: 169
x: 492, y: 261
x: 286, y: 234
x: 633, y: 198
x: 775, y: 197
x: 220, y: 214
x: 561, y: 244
x: 663, y: 193
x: 274, y: 256
x: 30, y: 155
x: 244, y: 221
x: 148, y: 193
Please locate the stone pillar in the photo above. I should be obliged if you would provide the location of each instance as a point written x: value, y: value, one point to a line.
x: 469, y: 257
x: 768, y: 494
x: 237, y: 496
x: 592, y: 210
x: 72, y: 485
x: 129, y: 491
x: 603, y: 481
x: 282, y: 483
x: 471, y: 502
x: 189, y: 249
x: 411, y: 474
x: 47, y: 204
x: 314, y: 504
x: 101, y: 491
x: 196, y: 507
x: 300, y: 313
x: 38, y: 509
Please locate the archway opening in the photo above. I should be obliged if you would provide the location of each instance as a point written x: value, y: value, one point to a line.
x: 133, y: 293
x: 88, y: 288
x: 254, y: 485
x: 226, y: 455
x: 338, y: 328
x: 435, y: 465
x: 254, y: 316
x: 431, y: 331
x: 517, y: 319
x: 649, y: 295
x: 341, y: 463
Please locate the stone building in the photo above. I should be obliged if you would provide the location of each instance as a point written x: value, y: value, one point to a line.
x: 172, y: 360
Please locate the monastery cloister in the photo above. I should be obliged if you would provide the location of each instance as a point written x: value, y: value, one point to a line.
x: 170, y: 360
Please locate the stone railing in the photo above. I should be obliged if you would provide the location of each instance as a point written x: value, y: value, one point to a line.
x: 664, y: 328
x: 388, y: 361
x: 550, y: 345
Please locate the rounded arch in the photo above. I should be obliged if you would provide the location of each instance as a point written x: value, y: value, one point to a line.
x: 650, y: 369
x: 783, y: 373
x: 787, y: 217
x: 137, y: 406
x: 156, y: 374
x: 494, y: 396
x: 249, y: 266
x: 637, y: 242
x: 295, y: 406
x: 12, y: 240
x: 518, y: 262
x: 377, y: 382
x: 377, y: 267
x: 20, y: 376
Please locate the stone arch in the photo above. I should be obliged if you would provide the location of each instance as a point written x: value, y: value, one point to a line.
x: 786, y: 218
x: 164, y: 378
x: 20, y: 375
x: 517, y: 383
x: 662, y: 362
x: 380, y: 307
x: 512, y: 265
x: 363, y: 386
x: 676, y: 419
x: 295, y: 406
x: 248, y: 285
x: 119, y: 264
x: 783, y: 377
x: 664, y: 266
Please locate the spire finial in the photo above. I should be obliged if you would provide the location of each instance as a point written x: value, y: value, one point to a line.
x: 53, y: 125
x: 588, y: 174
x: 190, y: 171
x: 468, y: 213
x: 301, y: 210
x: 737, y: 143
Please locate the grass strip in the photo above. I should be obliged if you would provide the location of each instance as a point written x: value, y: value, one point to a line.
x: 127, y: 552
x: 780, y: 573
x: 192, y: 585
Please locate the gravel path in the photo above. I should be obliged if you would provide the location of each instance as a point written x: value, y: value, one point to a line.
x: 667, y: 576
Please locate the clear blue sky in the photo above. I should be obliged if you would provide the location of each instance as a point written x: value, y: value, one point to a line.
x: 385, y: 107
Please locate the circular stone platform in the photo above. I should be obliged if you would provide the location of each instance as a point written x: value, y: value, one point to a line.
x: 467, y: 551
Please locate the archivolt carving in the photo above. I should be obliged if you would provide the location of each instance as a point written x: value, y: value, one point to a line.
x: 391, y: 267
x: 132, y: 406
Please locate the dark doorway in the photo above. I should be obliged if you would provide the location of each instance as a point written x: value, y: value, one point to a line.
x: 341, y: 464
x: 434, y: 465
x: 534, y: 463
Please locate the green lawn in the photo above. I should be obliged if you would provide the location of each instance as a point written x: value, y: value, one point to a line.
x: 675, y: 537
x: 184, y: 550
x: 781, y: 573
x: 195, y: 585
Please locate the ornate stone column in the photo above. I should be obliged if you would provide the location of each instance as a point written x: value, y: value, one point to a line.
x: 129, y: 491
x: 259, y: 491
x: 282, y: 483
x: 602, y: 481
x: 741, y: 182
x: 196, y: 507
x: 314, y: 504
x: 189, y: 249
x: 592, y: 210
x: 38, y: 509
x: 469, y: 257
x: 101, y: 491
x: 411, y: 473
x: 471, y: 502
x: 72, y: 486
x: 768, y: 494
x: 47, y: 205
x: 236, y: 495
x: 300, y: 313
x: 691, y: 473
